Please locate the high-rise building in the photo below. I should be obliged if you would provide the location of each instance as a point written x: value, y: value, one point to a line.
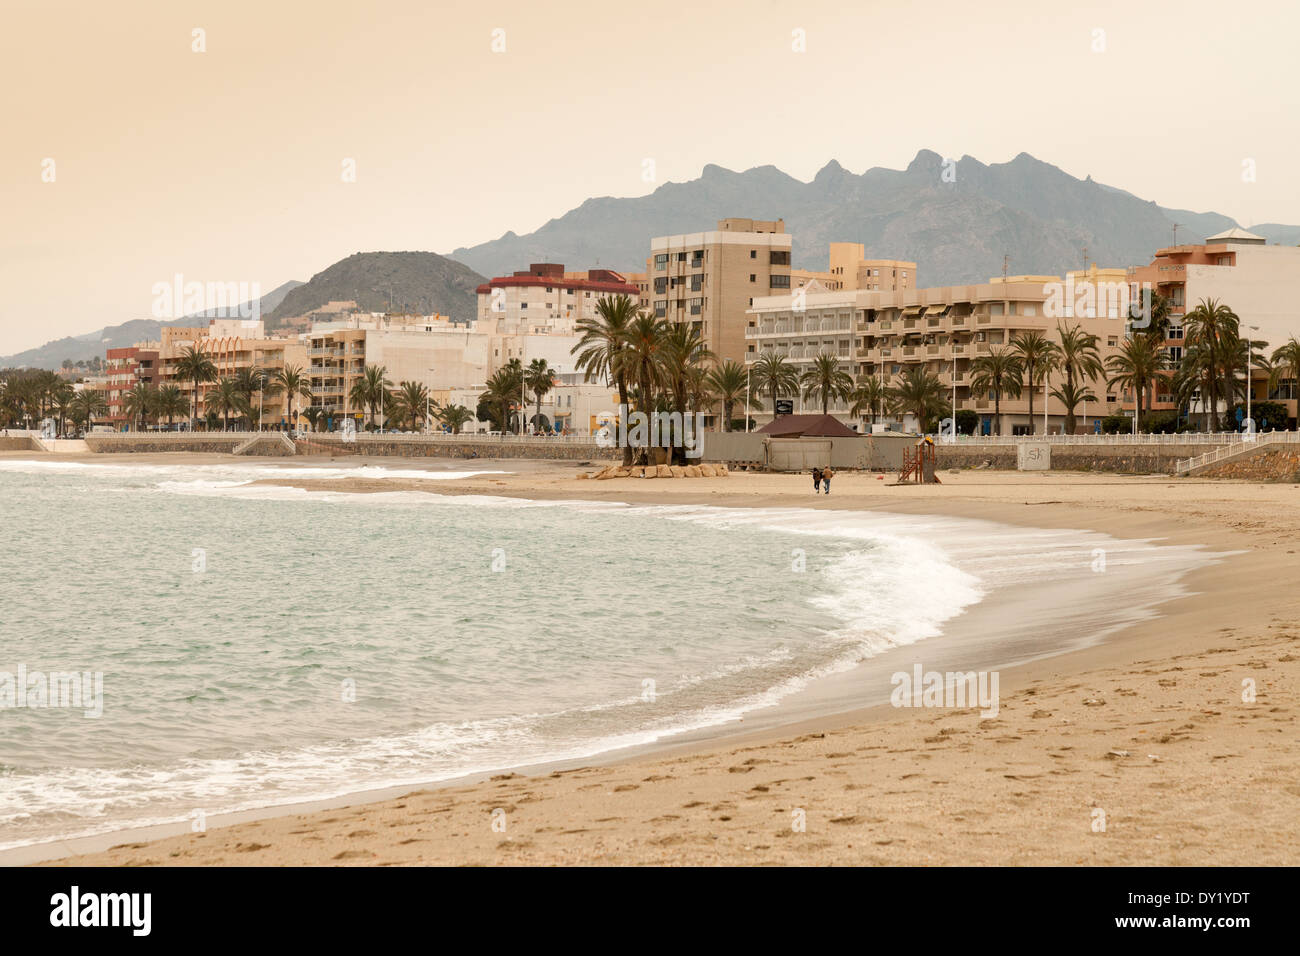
x: 710, y: 279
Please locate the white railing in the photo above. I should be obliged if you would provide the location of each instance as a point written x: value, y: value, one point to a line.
x: 1236, y: 448
x: 1185, y: 438
x: 363, y: 437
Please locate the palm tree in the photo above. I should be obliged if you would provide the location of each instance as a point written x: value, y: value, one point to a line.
x: 63, y: 397
x: 919, y: 392
x: 502, y: 391
x: 775, y: 375
x: 1080, y: 359
x: 455, y: 417
x: 869, y: 396
x: 824, y: 380
x: 539, y: 377
x: 87, y: 405
x: 1214, y: 330
x: 195, y: 367
x: 1286, y: 365
x: 729, y: 383
x: 1159, y: 307
x: 1135, y: 366
x: 1001, y: 373
x: 295, y: 383
x: 314, y: 415
x: 602, y: 350
x: 412, y: 400
x: 646, y: 364
x: 370, y: 391
x: 169, y: 402
x: 227, y: 398
x: 139, y: 402
x: 1038, y: 355
x: 1070, y: 394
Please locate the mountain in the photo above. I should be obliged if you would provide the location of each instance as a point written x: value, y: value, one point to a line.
x: 93, y: 344
x: 417, y: 281
x: 956, y: 227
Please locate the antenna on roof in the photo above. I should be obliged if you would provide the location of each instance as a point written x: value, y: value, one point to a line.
x: 1176, y: 225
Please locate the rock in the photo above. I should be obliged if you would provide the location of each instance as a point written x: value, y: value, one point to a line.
x: 582, y: 475
x: 707, y: 471
x: 692, y: 471
x: 649, y: 471
x: 678, y: 471
x: 721, y: 470
x: 622, y: 473
x: 605, y: 474
x: 664, y: 471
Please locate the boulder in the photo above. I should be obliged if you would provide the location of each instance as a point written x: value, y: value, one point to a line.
x: 692, y: 471
x: 649, y: 471
x: 707, y: 471
x: 582, y: 475
x: 721, y: 470
x: 664, y: 471
x: 678, y: 471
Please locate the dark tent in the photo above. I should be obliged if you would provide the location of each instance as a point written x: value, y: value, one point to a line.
x: 807, y: 426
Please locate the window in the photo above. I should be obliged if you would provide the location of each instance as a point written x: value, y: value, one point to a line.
x: 752, y: 277
x: 780, y: 282
x: 753, y: 253
x: 661, y: 286
x: 1175, y: 354
x: 1030, y: 309
x: 1112, y: 341
x: 661, y: 308
x: 661, y: 262
x: 681, y: 257
x: 779, y: 258
x: 1175, y: 332
x: 523, y: 305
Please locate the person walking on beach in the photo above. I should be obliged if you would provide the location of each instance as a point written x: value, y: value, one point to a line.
x: 826, y: 479
x: 817, y: 479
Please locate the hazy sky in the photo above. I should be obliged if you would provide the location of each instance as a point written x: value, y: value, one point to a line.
x: 226, y: 165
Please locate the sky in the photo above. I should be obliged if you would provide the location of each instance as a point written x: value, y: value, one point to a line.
x: 129, y: 155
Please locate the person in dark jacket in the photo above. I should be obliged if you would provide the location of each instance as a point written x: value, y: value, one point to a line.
x: 817, y: 480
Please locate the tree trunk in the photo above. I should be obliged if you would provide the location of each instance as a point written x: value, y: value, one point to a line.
x: 1031, y: 401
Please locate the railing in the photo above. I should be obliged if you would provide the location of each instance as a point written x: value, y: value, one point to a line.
x: 1242, y: 444
x: 1227, y: 439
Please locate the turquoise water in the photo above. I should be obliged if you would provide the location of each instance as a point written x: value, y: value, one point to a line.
x: 334, y: 643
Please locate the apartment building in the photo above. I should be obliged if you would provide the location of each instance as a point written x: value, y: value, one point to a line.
x: 544, y: 299
x: 233, y: 345
x: 942, y: 330
x: 711, y: 279
x: 1238, y: 269
x: 124, y: 369
x: 430, y: 350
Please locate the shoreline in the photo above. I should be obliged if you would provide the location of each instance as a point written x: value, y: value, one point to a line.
x: 1039, y: 503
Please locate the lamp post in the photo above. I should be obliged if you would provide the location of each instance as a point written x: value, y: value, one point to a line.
x: 1250, y: 357
x: 428, y: 395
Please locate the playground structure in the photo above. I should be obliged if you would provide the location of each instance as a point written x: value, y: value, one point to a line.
x: 918, y: 464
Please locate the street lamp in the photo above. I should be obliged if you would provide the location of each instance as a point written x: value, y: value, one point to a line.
x: 1250, y: 357
x: 428, y: 394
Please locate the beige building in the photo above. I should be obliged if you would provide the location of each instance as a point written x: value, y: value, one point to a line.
x: 233, y: 345
x: 710, y: 279
x: 943, y: 330
x: 430, y: 350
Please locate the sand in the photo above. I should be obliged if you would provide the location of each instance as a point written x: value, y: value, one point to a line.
x: 1140, y: 750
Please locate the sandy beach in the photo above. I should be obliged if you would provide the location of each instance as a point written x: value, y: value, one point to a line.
x: 1140, y: 750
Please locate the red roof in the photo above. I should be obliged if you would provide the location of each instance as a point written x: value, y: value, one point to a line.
x: 577, y: 285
